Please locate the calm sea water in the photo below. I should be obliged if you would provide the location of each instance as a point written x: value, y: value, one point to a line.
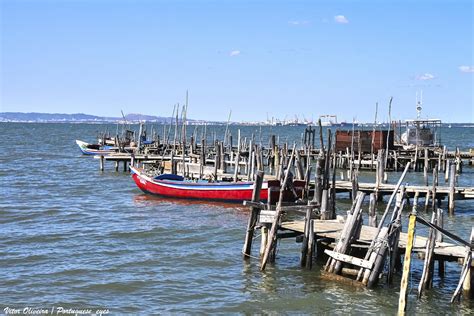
x: 74, y: 237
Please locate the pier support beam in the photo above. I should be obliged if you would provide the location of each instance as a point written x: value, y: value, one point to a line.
x: 468, y: 284
x: 402, y: 302
x: 452, y: 183
x: 254, y: 212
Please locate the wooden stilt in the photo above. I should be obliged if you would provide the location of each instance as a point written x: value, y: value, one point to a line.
x: 468, y: 284
x: 264, y: 239
x: 253, y: 216
x: 439, y: 238
x: 402, y: 302
x: 309, y: 259
x: 237, y: 158
x: 274, y: 228
x: 466, y: 269
x: 318, y: 187
x: 427, y: 275
x: 372, y: 213
x: 452, y: 183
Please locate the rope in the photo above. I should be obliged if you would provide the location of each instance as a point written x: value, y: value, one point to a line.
x: 250, y: 256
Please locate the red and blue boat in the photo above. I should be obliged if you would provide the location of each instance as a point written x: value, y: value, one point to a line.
x: 174, y: 186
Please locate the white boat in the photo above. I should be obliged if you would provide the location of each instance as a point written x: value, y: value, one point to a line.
x: 421, y: 132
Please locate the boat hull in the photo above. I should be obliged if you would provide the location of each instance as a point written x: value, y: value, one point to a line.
x: 87, y: 150
x: 232, y: 192
x: 223, y: 191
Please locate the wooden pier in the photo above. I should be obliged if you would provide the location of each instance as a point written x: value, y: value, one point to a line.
x: 442, y: 192
x: 332, y: 229
x: 354, y: 251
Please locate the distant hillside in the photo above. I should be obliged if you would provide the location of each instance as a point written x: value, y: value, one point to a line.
x: 45, y: 117
x: 80, y: 117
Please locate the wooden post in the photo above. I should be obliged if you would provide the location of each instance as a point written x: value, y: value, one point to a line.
x: 468, y: 284
x: 406, y: 264
x: 276, y: 161
x: 318, y: 186
x: 395, y: 155
x: 237, y: 158
x: 458, y: 161
x: 372, y: 213
x: 381, y: 168
x: 439, y: 238
x: 299, y: 167
x: 116, y: 165
x: 348, y: 233
x: 333, y: 188
x: 433, y: 189
x: 443, y: 159
x: 321, y: 141
x: 101, y: 163
x: 415, y: 161
x: 309, y: 260
x: 273, y: 230
x: 382, y: 220
x: 324, y: 205
x: 452, y: 183
x: 140, y: 132
x: 254, y: 212
x: 355, y: 185
x: 173, y: 169
x: 465, y: 273
x: 304, y: 244
x: 216, y: 159
x: 427, y: 275
x: 223, y: 165
x: 427, y: 199
x: 425, y: 168
x: 439, y: 162
x: 250, y: 161
x: 446, y: 171
x: 264, y: 239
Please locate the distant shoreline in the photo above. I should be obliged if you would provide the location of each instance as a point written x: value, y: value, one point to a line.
x: 80, y: 118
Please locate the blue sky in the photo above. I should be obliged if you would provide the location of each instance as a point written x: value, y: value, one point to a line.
x: 258, y: 58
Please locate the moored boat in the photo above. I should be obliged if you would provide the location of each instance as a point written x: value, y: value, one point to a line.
x: 421, y: 132
x: 94, y: 149
x: 174, y: 186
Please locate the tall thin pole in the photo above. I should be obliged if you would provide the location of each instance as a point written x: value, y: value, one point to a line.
x: 176, y: 127
x: 227, y: 127
x: 389, y: 125
x: 373, y: 137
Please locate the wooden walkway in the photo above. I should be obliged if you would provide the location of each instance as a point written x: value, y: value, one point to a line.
x: 460, y: 193
x: 332, y: 229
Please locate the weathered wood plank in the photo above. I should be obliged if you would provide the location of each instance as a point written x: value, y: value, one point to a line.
x: 332, y: 229
x: 349, y: 259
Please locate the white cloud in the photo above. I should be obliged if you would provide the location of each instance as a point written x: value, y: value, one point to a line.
x: 234, y: 53
x: 341, y: 19
x: 425, y: 77
x: 466, y: 68
x: 295, y: 23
